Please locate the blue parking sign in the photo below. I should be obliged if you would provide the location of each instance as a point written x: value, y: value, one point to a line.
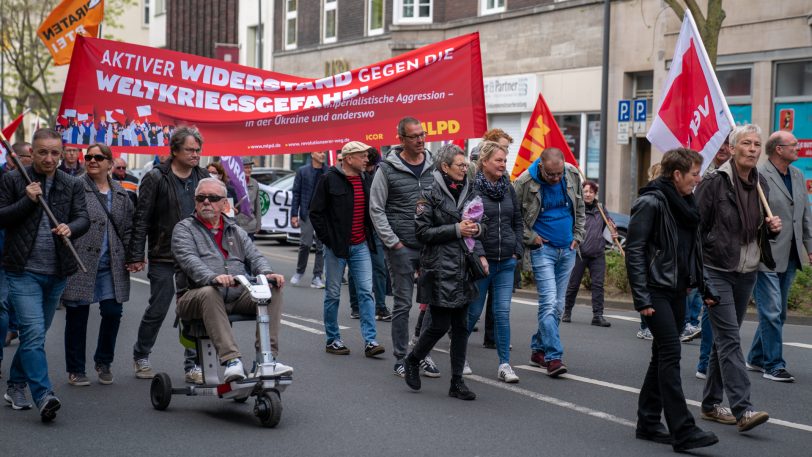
x: 624, y: 110
x: 640, y: 109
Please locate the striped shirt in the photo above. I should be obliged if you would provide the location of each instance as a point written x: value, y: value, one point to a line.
x: 359, y: 203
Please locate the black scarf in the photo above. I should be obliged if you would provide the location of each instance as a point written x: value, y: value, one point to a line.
x: 684, y: 208
x: 747, y: 204
x: 494, y: 190
x: 454, y: 187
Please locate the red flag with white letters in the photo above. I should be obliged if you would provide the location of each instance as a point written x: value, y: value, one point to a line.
x: 693, y: 113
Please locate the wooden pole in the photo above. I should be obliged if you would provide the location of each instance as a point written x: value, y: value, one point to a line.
x: 42, y: 202
x: 764, y: 200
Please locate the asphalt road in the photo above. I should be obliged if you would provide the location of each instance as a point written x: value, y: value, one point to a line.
x: 352, y: 405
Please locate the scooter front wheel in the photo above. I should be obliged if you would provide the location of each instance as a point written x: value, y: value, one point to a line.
x: 160, y: 391
x: 268, y: 408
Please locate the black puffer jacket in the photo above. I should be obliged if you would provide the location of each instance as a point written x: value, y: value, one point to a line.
x: 157, y: 213
x: 504, y: 226
x: 444, y: 279
x: 20, y: 216
x: 652, y: 251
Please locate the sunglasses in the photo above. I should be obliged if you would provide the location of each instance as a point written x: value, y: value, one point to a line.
x: 211, y: 198
x: 120, y: 168
x: 98, y: 157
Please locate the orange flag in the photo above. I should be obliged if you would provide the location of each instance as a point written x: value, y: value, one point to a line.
x: 542, y: 132
x: 70, y: 18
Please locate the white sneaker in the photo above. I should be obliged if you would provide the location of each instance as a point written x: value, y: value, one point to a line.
x: 143, y: 370
x: 701, y: 375
x: 296, y: 279
x: 234, y: 371
x: 317, y: 283
x: 194, y: 375
x: 280, y: 369
x: 466, y: 369
x: 505, y: 373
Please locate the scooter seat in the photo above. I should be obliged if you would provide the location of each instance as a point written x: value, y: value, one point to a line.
x: 194, y: 328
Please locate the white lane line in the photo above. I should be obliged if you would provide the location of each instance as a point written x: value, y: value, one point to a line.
x: 312, y: 321
x: 623, y: 318
x: 553, y: 401
x: 525, y: 302
x: 302, y: 327
x: 633, y: 390
x: 142, y: 281
x: 799, y: 345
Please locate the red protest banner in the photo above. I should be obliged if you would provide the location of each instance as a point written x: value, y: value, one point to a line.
x: 247, y: 111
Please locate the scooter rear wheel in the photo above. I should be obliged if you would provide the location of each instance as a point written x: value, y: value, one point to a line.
x: 268, y: 408
x: 160, y: 391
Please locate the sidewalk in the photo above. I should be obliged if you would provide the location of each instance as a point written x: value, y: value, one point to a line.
x: 624, y: 303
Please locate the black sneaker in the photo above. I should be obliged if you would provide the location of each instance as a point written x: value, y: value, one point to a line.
x: 567, y: 317
x: 48, y: 407
x: 459, y: 390
x: 373, y: 348
x: 383, y: 314
x: 489, y: 344
x: 780, y: 375
x: 399, y: 369
x: 354, y: 315
x: 411, y: 370
x: 658, y: 435
x: 337, y: 347
x: 599, y: 321
x: 697, y: 440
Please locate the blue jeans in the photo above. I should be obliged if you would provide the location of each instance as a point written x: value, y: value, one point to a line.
x: 500, y: 275
x: 360, y: 266
x: 34, y: 298
x: 706, y: 344
x: 551, y: 268
x: 771, y: 292
x: 378, y: 278
x: 76, y: 334
x: 693, y: 306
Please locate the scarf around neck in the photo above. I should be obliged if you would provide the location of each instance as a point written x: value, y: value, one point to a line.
x: 494, y: 190
x: 454, y: 187
x: 747, y: 204
x: 684, y: 208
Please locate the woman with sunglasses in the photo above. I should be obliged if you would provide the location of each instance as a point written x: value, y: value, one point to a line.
x: 107, y: 281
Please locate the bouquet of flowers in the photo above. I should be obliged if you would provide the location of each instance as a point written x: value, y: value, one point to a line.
x: 473, y: 211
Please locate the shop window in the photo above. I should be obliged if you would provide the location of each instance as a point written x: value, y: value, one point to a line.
x: 793, y: 79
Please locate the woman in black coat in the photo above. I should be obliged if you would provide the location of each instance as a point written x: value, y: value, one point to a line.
x: 444, y: 282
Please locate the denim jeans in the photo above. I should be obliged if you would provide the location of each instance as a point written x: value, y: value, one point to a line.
x: 378, y: 278
x: 771, y: 292
x: 693, y: 306
x: 34, y: 298
x: 551, y: 268
x: 500, y: 276
x: 360, y: 266
x: 76, y: 334
x: 706, y: 343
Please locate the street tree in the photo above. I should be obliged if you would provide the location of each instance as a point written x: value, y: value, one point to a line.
x: 708, y: 24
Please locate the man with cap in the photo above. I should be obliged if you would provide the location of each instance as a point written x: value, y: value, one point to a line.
x: 339, y: 212
x: 251, y: 223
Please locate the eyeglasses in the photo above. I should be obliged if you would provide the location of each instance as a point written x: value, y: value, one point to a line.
x: 415, y: 136
x: 97, y: 157
x: 551, y: 175
x: 461, y: 165
x: 212, y: 198
x: 791, y: 145
x: 192, y: 150
x: 120, y: 168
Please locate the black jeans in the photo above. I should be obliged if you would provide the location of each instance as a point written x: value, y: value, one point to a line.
x: 441, y: 320
x: 597, y: 275
x: 76, y: 334
x: 662, y: 387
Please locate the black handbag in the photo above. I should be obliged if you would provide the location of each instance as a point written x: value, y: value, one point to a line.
x: 472, y: 264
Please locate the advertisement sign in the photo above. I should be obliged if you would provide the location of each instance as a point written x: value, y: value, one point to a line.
x: 132, y: 97
x: 796, y: 118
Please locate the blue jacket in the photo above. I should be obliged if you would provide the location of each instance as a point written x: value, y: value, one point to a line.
x: 304, y: 184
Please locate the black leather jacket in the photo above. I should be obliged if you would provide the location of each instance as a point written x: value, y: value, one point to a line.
x: 156, y: 215
x: 651, y: 251
x: 20, y: 216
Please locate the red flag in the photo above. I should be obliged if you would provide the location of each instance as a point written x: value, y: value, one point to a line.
x: 332, y: 158
x: 542, y: 132
x: 8, y: 131
x: 693, y: 113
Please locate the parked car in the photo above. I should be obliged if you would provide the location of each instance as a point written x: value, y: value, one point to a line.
x: 274, y: 202
x: 622, y: 223
x: 268, y: 176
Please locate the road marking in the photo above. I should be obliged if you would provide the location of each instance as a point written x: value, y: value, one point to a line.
x: 302, y: 327
x: 633, y: 390
x: 525, y: 302
x: 799, y: 345
x: 623, y: 318
x: 142, y: 281
x: 312, y: 321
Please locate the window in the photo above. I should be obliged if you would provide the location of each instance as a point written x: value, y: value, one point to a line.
x: 491, y: 7
x: 734, y: 82
x: 290, y: 24
x: 145, y: 19
x: 160, y: 7
x: 793, y: 79
x: 374, y: 17
x: 644, y: 88
x: 413, y: 11
x: 330, y: 21
x: 255, y: 45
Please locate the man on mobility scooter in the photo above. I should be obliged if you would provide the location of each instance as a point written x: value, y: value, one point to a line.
x: 210, y: 250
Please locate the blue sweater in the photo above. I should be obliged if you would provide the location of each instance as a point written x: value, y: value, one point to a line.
x: 554, y: 222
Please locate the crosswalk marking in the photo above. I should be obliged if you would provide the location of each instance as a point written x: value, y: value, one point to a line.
x: 302, y: 327
x: 799, y: 345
